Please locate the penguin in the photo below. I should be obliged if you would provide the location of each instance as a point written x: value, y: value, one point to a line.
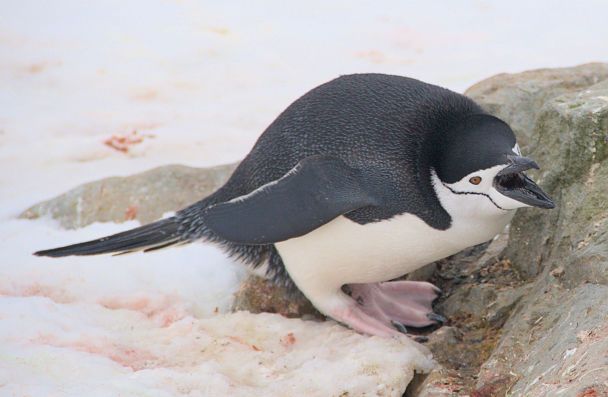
x: 358, y: 182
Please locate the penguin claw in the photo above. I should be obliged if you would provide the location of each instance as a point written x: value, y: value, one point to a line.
x: 399, y: 327
x: 438, y: 318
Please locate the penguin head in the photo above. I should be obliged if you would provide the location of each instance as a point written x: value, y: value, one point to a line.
x: 480, y: 159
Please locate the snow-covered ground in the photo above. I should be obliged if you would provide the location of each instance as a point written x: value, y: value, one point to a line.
x: 198, y: 81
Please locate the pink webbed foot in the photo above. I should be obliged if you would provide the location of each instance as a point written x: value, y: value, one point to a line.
x: 352, y: 316
x: 398, y: 304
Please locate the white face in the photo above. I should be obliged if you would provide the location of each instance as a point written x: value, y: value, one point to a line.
x: 477, y: 191
x: 475, y: 195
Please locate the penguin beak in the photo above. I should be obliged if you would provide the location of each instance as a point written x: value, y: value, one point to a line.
x: 513, y: 183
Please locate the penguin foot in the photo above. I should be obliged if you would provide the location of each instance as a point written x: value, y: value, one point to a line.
x: 438, y: 318
x: 400, y: 327
x: 407, y: 303
x: 352, y: 315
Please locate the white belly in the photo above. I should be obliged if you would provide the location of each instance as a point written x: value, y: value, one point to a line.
x: 343, y: 251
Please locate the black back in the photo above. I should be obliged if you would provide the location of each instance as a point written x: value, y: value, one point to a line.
x: 389, y: 127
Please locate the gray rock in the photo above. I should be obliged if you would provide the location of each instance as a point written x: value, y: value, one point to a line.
x: 572, y: 135
x: 557, y: 345
x: 497, y: 311
x: 257, y: 295
x: 517, y: 97
x: 144, y: 196
x: 440, y: 382
x: 493, y: 253
x: 538, y: 321
x: 554, y: 341
x: 486, y: 302
x: 468, y: 300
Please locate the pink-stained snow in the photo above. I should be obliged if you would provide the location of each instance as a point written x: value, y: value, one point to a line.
x: 78, y: 349
x: 95, y: 89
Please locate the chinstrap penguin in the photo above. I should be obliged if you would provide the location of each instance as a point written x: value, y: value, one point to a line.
x: 360, y: 181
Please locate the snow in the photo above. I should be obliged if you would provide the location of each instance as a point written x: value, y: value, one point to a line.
x: 192, y: 280
x: 72, y: 350
x: 198, y: 81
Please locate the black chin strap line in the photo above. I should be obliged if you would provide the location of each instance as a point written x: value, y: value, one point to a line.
x: 477, y: 193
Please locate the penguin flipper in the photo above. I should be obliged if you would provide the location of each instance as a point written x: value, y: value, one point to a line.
x: 314, y: 192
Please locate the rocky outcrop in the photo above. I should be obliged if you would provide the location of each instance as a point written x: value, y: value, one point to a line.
x: 517, y: 98
x: 144, y: 197
x: 529, y: 311
x: 555, y: 341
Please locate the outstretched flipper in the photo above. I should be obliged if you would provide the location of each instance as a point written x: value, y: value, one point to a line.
x: 317, y: 190
x: 156, y: 235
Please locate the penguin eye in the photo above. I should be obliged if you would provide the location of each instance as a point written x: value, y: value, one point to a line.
x: 476, y: 180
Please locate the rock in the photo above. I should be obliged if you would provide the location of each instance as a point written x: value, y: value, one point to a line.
x: 486, y: 302
x: 530, y: 315
x: 440, y: 382
x: 557, y: 272
x: 258, y: 295
x: 498, y: 386
x: 573, y: 138
x: 424, y: 273
x: 517, y: 97
x: 553, y: 341
x: 493, y: 253
x: 556, y: 345
x: 480, y: 289
x: 470, y: 300
x: 145, y: 196
x: 499, y: 309
x: 444, y: 336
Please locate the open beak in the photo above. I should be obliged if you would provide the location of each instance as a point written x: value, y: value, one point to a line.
x: 513, y: 183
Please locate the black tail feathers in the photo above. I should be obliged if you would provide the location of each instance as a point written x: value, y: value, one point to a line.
x: 186, y: 226
x: 156, y: 235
